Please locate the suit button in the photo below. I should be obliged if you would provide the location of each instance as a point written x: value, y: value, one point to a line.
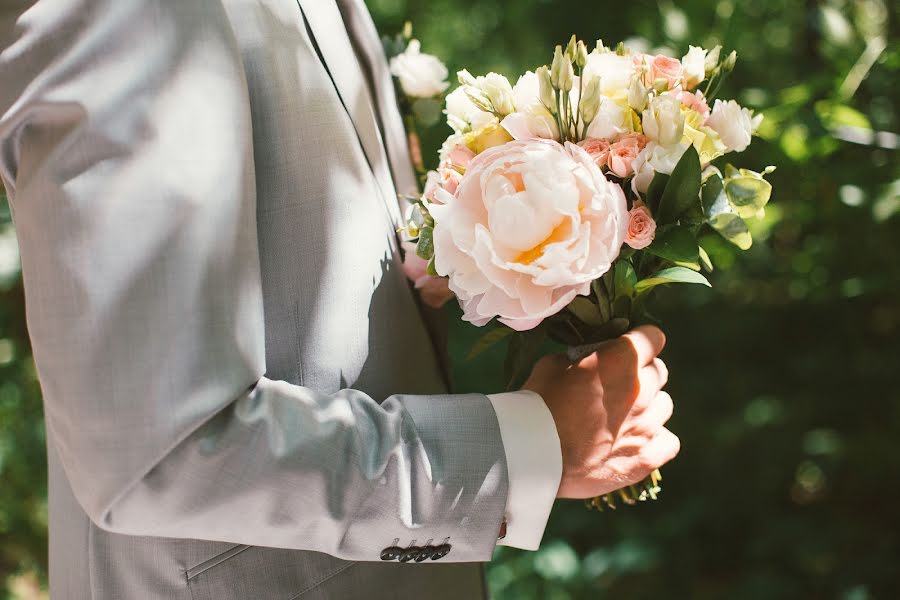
x: 425, y: 553
x: 391, y: 553
x: 410, y: 553
x: 441, y: 551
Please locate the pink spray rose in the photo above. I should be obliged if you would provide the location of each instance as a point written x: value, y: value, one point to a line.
x: 533, y: 223
x: 623, y: 152
x: 452, y: 167
x: 664, y: 67
x: 696, y: 102
x: 641, y: 227
x: 597, y: 149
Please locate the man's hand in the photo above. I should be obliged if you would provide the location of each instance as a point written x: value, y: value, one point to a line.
x: 610, y: 413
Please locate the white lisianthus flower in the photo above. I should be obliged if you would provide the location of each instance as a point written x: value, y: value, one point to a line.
x: 655, y: 159
x: 463, y: 115
x: 694, y: 65
x: 499, y: 92
x: 610, y: 121
x: 615, y: 72
x: 663, y: 121
x: 421, y: 75
x: 734, y: 124
x: 532, y: 224
x: 531, y: 119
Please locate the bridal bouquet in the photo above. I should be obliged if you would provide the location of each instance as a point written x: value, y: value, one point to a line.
x: 562, y: 201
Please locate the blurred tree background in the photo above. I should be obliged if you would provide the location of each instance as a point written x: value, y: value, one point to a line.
x: 784, y: 375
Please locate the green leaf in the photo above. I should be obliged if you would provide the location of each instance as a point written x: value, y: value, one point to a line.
x: 586, y: 311
x: 720, y: 215
x: 524, y: 347
x: 604, y: 301
x: 682, y: 190
x: 655, y: 191
x: 705, y: 260
x: 748, y: 192
x: 671, y: 275
x: 425, y: 246
x: 625, y: 279
x: 430, y: 268
x: 608, y: 331
x: 675, y: 243
x: 488, y: 340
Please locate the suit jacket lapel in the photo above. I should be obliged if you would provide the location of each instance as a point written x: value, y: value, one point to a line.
x: 368, y: 45
x: 330, y: 35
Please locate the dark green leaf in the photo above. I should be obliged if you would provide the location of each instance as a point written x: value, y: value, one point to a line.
x: 524, y: 347
x: 674, y: 243
x: 705, y: 260
x: 488, y: 340
x: 655, y: 191
x: 671, y: 275
x: 682, y: 190
x: 586, y: 311
x: 626, y: 279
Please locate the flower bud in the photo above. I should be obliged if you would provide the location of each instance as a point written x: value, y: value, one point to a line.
x: 712, y: 60
x: 638, y: 95
x: 545, y: 86
x: 581, y: 54
x: 570, y: 48
x: 566, y: 77
x: 590, y: 101
x: 556, y: 66
x: 729, y: 62
x: 499, y: 93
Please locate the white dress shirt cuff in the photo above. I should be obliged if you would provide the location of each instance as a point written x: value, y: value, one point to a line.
x: 534, y: 463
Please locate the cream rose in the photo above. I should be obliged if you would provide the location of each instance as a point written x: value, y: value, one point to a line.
x: 734, y: 124
x: 615, y: 72
x: 532, y: 224
x: 641, y: 227
x: 663, y: 121
x: 655, y: 159
x: 463, y: 115
x: 532, y: 119
x: 421, y: 75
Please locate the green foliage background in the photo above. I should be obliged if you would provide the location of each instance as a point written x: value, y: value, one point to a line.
x: 784, y: 375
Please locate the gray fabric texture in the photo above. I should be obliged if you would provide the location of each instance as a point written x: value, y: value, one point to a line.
x: 241, y: 396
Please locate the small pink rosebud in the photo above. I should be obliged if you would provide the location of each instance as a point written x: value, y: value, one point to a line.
x: 434, y: 291
x: 664, y: 67
x: 623, y: 153
x: 641, y: 227
x: 597, y: 149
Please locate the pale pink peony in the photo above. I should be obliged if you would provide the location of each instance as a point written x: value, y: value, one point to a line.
x: 434, y: 291
x: 596, y: 149
x: 696, y: 102
x: 532, y: 224
x: 664, y: 67
x: 623, y: 152
x: 641, y: 227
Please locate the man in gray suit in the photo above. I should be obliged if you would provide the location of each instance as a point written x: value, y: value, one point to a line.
x: 242, y: 400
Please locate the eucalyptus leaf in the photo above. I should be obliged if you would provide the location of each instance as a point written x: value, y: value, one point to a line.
x: 487, y: 340
x: 748, y: 192
x: 671, y: 275
x: 721, y: 215
x: 682, y: 190
x: 430, y: 269
x: 425, y: 245
x: 674, y: 243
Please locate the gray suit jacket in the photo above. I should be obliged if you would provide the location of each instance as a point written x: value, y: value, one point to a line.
x: 241, y: 397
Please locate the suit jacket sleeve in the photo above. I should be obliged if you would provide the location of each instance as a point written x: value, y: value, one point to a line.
x: 126, y: 150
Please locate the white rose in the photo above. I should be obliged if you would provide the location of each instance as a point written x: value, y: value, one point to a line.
x: 734, y: 124
x: 463, y: 115
x: 663, y: 121
x: 609, y: 122
x: 421, y: 75
x: 531, y: 119
x: 532, y: 224
x: 614, y: 71
x: 694, y: 65
x: 655, y: 159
